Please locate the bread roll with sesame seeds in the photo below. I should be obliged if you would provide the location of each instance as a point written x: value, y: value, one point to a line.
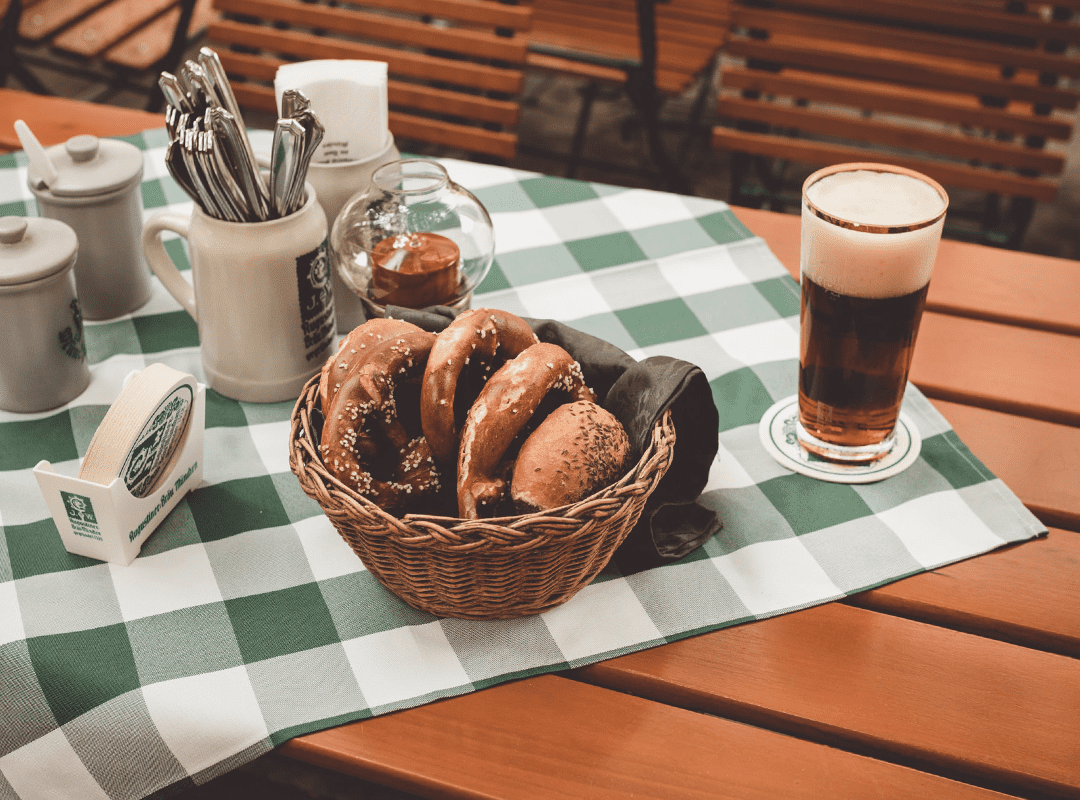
x: 577, y: 450
x: 507, y: 402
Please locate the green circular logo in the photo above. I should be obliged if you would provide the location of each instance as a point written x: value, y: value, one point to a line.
x: 156, y: 442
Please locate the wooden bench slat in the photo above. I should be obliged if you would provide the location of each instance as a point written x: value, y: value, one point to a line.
x: 45, y: 18
x: 824, y: 153
x: 102, y: 29
x: 582, y: 69
x: 901, y: 135
x: 621, y: 21
x: 679, y: 69
x: 1015, y: 370
x: 930, y: 13
x: 502, y: 144
x: 928, y: 104
x: 555, y: 738
x: 672, y: 51
x: 1038, y: 460
x: 1011, y: 287
x: 795, y: 24
x: 480, y: 12
x: 962, y: 705
x: 380, y: 28
x: 419, y: 65
x: 885, y: 65
x: 148, y: 45
x: 1000, y: 599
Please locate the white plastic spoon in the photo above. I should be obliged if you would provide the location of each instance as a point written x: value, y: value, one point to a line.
x: 39, y: 159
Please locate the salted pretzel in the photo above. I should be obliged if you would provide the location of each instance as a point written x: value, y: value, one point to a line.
x: 336, y: 369
x: 503, y: 408
x: 364, y: 444
x: 481, y: 335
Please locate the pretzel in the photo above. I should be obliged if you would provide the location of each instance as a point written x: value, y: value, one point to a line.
x: 362, y: 434
x: 336, y: 369
x: 505, y: 405
x: 479, y: 336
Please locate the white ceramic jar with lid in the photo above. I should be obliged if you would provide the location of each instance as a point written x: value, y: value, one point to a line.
x: 96, y: 191
x: 43, y: 359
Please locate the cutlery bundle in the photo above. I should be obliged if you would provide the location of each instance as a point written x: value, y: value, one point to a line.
x: 210, y: 156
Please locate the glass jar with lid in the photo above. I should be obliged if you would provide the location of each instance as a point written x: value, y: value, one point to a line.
x: 414, y: 239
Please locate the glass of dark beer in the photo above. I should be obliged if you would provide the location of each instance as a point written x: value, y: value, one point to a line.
x: 870, y: 236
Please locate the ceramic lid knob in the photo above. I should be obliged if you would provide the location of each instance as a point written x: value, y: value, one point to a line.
x: 82, y: 148
x: 12, y: 229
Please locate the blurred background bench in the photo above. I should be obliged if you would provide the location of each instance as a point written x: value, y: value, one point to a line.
x: 456, y: 67
x: 650, y: 49
x: 970, y: 92
x: 119, y: 45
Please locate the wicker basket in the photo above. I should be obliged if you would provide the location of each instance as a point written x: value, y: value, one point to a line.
x: 481, y: 569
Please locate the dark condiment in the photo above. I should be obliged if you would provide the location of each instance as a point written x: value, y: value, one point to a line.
x: 415, y: 270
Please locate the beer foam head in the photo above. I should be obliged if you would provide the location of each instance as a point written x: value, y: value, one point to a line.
x: 861, y: 263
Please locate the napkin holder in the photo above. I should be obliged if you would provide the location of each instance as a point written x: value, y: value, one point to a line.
x: 107, y: 522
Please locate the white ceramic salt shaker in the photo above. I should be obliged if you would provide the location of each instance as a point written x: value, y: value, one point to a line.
x: 43, y: 358
x: 97, y: 193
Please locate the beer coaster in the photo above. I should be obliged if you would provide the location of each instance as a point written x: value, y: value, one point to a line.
x: 777, y: 431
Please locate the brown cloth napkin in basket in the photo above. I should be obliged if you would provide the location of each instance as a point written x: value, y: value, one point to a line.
x: 638, y: 393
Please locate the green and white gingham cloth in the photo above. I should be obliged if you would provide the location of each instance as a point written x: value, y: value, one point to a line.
x: 246, y: 620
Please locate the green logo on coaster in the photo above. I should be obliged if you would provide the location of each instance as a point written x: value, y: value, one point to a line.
x: 80, y: 513
x: 156, y: 442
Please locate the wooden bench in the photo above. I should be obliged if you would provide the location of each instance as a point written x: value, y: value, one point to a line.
x: 574, y: 37
x: 970, y: 94
x: 455, y: 66
x: 654, y: 49
x: 119, y: 43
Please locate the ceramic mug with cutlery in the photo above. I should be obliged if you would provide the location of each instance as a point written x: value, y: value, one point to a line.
x: 261, y: 295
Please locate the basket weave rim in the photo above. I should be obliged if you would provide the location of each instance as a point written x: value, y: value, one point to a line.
x: 462, y: 534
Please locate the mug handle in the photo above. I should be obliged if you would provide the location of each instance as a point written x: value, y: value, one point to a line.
x: 160, y: 262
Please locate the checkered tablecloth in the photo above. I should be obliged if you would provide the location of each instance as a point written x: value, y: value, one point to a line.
x: 247, y: 620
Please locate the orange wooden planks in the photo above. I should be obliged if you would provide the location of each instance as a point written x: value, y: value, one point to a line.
x: 549, y: 737
x: 1024, y: 289
x: 1017, y: 370
x: 970, y: 708
x: 1025, y: 594
x: 54, y: 120
x: 1039, y: 461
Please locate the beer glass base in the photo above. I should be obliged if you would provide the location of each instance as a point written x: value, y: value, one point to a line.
x: 840, y: 453
x: 777, y: 431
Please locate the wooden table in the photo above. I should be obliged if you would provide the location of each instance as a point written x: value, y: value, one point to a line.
x: 963, y: 682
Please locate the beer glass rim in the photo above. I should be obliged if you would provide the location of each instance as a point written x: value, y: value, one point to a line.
x: 871, y: 166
